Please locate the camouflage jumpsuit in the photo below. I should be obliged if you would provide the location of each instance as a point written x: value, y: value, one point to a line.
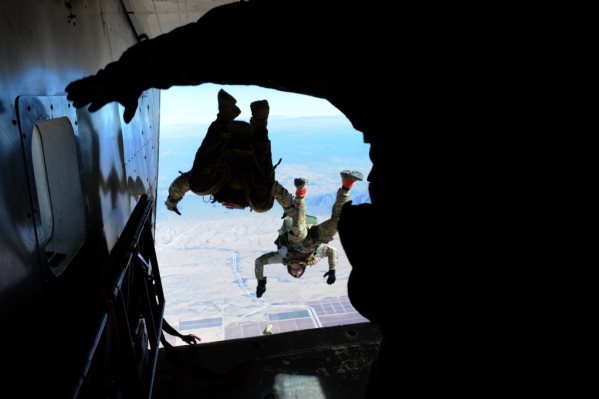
x: 234, y: 158
x: 303, y: 244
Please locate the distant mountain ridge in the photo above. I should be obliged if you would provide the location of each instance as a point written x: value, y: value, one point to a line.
x: 322, y: 204
x: 328, y: 199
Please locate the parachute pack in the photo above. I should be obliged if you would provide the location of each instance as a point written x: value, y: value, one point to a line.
x: 288, y: 222
x: 286, y: 227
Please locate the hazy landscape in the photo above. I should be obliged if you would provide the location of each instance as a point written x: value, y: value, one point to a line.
x: 206, y: 256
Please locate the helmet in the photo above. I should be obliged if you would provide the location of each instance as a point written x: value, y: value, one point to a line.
x: 296, y: 269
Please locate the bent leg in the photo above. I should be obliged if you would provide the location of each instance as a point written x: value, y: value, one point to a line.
x: 266, y: 259
x: 262, y: 178
x: 214, y: 143
x: 219, y: 132
x: 326, y: 230
x: 294, y: 207
x: 283, y: 197
x: 209, y: 173
x: 299, y: 230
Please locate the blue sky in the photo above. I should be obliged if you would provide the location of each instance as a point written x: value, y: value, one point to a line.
x: 197, y: 104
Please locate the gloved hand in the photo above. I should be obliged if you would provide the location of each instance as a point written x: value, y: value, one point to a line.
x: 261, y: 287
x: 332, y: 278
x: 191, y: 338
x: 172, y: 207
x: 108, y: 85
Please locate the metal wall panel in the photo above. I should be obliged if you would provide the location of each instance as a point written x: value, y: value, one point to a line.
x: 44, y: 46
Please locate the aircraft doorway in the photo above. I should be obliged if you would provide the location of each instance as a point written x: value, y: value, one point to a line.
x: 207, y: 254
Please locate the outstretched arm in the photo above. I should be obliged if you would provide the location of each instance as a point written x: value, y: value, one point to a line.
x: 189, y: 338
x: 268, y: 258
x: 331, y: 254
x: 167, y: 60
x: 291, y: 47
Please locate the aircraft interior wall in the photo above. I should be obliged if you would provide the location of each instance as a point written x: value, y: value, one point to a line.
x: 44, y: 46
